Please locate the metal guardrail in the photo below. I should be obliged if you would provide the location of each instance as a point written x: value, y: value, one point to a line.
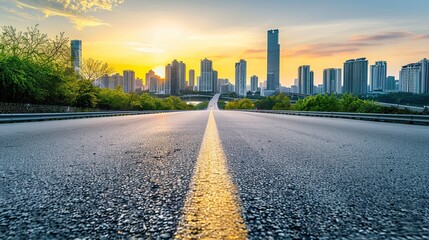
x: 31, y: 117
x: 399, y: 118
x: 404, y: 107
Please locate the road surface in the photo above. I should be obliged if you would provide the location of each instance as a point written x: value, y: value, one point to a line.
x: 287, y: 177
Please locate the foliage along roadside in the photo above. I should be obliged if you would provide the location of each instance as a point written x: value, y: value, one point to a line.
x: 322, y: 103
x: 37, y: 69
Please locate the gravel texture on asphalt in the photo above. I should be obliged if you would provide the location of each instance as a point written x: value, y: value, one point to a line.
x: 104, y: 178
x: 319, y: 178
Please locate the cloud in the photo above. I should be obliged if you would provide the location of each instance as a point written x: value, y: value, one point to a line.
x: 77, y: 11
x: 381, y: 36
x: 325, y: 49
x: 20, y: 14
x: 354, y: 44
x: 423, y: 36
x: 145, y: 48
x: 251, y: 51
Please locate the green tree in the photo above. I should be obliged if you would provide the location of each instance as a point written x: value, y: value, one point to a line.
x: 282, y: 102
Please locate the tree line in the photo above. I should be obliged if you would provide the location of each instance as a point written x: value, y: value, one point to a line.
x: 323, y: 103
x: 37, y: 69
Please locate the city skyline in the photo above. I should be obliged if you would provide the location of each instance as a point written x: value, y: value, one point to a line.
x: 143, y: 41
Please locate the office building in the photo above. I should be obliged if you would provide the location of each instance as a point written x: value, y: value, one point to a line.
x: 390, y: 84
x: 356, y: 76
x: 129, y: 81
x: 104, y: 81
x: 207, y: 82
x: 319, y: 89
x: 191, y: 80
x: 139, y: 84
x: 117, y: 80
x: 378, y: 76
x: 215, y: 82
x: 305, y: 80
x: 240, y: 77
x: 425, y: 75
x: 175, y: 77
x: 273, y: 60
x: 254, y: 83
x: 76, y: 55
x: 181, y: 75
x: 414, y: 77
x: 410, y: 78
x: 332, y: 81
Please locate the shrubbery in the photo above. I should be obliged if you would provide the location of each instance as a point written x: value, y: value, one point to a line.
x: 321, y: 103
x: 347, y: 103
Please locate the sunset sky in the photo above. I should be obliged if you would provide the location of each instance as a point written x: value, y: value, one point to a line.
x: 148, y: 34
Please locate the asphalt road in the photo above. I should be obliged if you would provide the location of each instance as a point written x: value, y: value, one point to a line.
x: 296, y: 177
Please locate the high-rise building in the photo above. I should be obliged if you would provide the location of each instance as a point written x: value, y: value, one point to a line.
x: 208, y: 79
x: 223, y: 84
x: 149, y: 83
x: 117, y: 80
x: 166, y: 86
x: 273, y: 60
x: 410, y: 78
x: 104, y: 81
x: 414, y: 77
x: 378, y: 76
x: 76, y: 55
x: 191, y: 80
x: 390, y: 84
x: 181, y: 75
x: 240, y: 77
x: 129, y: 81
x: 332, y: 81
x: 319, y: 89
x: 176, y: 77
x: 139, y: 84
x: 305, y: 80
x: 356, y: 76
x: 254, y: 83
x: 425, y: 75
x: 215, y: 82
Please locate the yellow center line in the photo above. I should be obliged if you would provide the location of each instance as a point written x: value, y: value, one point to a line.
x: 212, y: 210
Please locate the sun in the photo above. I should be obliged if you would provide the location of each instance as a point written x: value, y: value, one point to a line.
x: 160, y: 71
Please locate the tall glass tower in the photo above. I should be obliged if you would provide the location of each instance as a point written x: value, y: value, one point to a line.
x: 240, y: 78
x: 76, y: 55
x: 273, y: 60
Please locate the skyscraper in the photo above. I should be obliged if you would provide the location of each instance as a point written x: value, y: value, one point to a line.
x: 378, y: 76
x: 175, y: 77
x: 181, y: 74
x: 208, y: 79
x: 356, y: 76
x: 425, y: 75
x: 273, y: 60
x: 129, y: 81
x: 76, y: 55
x: 410, y: 78
x: 215, y: 82
x: 332, y: 81
x: 254, y: 83
x: 305, y: 80
x: 165, y: 88
x: 153, y: 82
x: 240, y: 77
x: 191, y: 80
x: 390, y: 84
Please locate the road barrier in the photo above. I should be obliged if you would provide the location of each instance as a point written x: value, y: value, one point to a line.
x: 31, y: 117
x: 399, y: 118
